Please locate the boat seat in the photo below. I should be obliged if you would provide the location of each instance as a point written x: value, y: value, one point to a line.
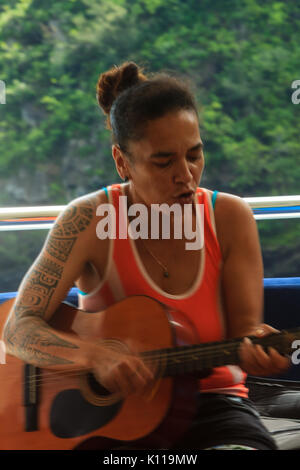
x: 278, y: 402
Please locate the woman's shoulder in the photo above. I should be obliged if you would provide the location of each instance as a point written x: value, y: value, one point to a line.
x: 232, y: 214
x: 228, y: 202
x: 93, y: 198
x: 80, y: 214
x: 85, y: 206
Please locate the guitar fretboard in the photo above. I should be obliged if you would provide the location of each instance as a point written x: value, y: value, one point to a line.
x: 194, y: 358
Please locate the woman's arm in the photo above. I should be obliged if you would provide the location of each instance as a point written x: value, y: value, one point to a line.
x: 242, y: 283
x: 27, y: 333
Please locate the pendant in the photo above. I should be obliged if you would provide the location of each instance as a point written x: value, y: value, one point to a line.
x: 166, y: 274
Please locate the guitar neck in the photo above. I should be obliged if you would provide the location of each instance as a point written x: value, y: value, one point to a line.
x: 198, y: 357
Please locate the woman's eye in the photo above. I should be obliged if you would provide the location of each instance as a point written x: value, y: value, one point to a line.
x: 163, y: 165
x: 191, y: 158
x: 194, y: 158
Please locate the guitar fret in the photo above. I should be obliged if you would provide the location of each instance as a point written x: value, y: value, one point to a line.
x: 215, y: 354
x: 198, y: 357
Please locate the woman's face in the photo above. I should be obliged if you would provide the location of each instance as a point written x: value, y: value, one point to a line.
x: 168, y: 161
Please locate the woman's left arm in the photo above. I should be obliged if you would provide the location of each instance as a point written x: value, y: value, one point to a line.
x: 242, y: 284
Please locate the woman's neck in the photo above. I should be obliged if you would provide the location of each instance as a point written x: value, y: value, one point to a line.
x: 163, y: 225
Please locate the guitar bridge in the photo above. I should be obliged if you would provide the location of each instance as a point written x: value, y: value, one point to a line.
x: 31, y: 397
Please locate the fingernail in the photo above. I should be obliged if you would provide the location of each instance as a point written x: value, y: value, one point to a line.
x: 247, y: 340
x: 259, y: 331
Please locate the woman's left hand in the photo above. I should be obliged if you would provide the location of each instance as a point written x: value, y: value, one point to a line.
x: 255, y: 361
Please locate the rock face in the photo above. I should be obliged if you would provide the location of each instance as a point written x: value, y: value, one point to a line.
x: 25, y: 188
x: 59, y: 180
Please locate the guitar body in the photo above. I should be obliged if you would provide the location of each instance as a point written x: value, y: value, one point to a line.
x: 72, y: 410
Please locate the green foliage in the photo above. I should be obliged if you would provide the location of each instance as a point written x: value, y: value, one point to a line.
x: 241, y: 56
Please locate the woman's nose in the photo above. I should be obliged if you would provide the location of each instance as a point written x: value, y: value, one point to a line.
x: 183, y: 172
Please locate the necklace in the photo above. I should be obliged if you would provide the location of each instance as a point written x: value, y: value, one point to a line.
x: 165, y: 269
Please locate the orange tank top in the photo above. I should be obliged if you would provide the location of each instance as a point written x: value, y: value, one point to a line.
x: 125, y: 276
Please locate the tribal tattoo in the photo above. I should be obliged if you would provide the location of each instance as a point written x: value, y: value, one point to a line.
x: 40, y: 286
x: 38, y: 290
x: 64, y: 233
x: 26, y: 346
x: 45, y: 274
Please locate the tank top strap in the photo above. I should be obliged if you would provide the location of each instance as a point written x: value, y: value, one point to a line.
x: 210, y: 230
x: 214, y: 197
x: 106, y: 191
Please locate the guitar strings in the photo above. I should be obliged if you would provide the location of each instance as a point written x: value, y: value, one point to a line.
x: 211, y: 350
x: 180, y: 356
x: 177, y: 353
x: 152, y: 357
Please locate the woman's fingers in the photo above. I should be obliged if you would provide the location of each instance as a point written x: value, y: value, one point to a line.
x: 125, y: 374
x: 256, y: 361
x: 134, y: 376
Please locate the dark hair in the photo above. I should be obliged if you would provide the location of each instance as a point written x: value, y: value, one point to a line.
x: 130, y: 100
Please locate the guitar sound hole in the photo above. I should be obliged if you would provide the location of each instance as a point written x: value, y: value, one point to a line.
x: 96, y: 387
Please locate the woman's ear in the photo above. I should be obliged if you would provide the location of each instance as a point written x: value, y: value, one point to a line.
x: 120, y: 162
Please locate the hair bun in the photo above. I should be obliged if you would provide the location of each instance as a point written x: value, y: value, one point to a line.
x: 114, y: 81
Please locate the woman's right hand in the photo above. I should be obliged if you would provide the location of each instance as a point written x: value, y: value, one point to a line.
x: 120, y: 372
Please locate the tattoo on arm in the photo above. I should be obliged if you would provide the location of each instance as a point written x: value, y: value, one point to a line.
x: 64, y: 233
x: 38, y: 291
x: 46, y: 274
x: 40, y: 287
x: 27, y: 343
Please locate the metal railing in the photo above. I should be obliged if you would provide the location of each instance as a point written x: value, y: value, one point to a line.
x: 43, y: 217
x: 275, y: 207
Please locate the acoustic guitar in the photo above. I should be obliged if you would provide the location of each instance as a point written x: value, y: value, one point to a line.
x: 47, y: 409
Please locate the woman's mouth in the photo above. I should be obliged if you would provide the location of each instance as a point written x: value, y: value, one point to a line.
x: 186, y: 197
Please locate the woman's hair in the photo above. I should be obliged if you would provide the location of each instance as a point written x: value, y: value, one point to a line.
x: 130, y: 99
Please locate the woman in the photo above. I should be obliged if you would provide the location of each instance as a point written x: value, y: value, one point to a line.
x: 157, y: 147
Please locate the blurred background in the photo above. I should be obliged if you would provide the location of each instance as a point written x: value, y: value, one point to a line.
x: 241, y: 57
